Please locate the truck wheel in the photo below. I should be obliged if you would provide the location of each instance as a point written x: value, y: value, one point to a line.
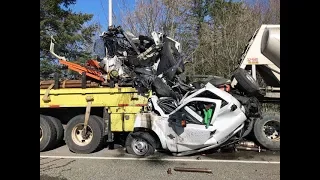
x: 59, y: 128
x: 267, y: 131
x: 100, y: 121
x: 140, y: 144
x: 48, y: 134
x: 83, y: 143
x: 246, y: 82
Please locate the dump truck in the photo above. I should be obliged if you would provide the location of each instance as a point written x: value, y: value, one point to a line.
x: 261, y: 58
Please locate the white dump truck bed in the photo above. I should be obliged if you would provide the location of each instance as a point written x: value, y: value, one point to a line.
x: 263, y: 55
x: 270, y: 44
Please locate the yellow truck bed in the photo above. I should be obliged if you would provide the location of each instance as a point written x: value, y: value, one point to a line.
x: 122, y: 103
x: 103, y: 97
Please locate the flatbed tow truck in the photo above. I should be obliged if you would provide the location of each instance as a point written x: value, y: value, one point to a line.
x: 104, y: 111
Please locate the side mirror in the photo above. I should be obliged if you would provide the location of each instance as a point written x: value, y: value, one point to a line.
x: 178, y: 119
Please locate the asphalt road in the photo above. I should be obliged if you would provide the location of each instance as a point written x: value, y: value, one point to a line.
x: 61, y: 164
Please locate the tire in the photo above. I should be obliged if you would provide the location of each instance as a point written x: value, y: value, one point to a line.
x: 73, y: 139
x: 100, y: 121
x: 59, y: 128
x: 260, y: 135
x: 246, y: 82
x: 143, y: 137
x: 48, y: 134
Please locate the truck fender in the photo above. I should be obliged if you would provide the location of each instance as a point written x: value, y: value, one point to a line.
x: 148, y: 121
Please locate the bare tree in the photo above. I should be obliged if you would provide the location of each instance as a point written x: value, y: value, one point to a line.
x: 153, y: 15
x: 226, y: 35
x: 144, y: 18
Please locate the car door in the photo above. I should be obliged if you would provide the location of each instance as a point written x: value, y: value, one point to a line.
x: 186, y: 129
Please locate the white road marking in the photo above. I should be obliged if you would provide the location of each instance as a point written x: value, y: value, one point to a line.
x: 165, y: 159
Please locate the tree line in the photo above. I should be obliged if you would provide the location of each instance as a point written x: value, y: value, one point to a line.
x: 213, y: 33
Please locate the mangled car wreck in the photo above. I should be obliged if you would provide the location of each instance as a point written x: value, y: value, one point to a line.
x: 181, y: 117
